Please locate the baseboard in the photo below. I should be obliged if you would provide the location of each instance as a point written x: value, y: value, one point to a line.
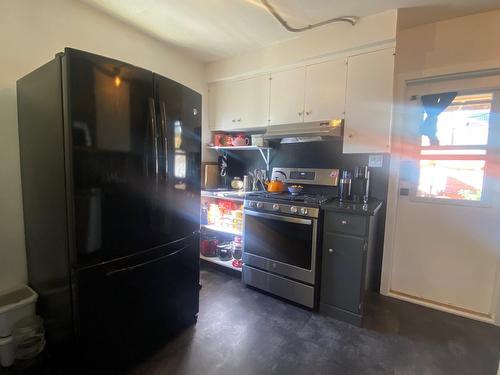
x: 441, y: 306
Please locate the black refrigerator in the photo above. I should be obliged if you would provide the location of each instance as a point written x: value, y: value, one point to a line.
x: 110, y: 167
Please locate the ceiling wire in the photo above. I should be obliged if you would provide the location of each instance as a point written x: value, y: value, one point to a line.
x: 349, y: 19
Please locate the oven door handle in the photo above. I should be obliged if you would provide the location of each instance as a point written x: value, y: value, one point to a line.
x: 288, y: 219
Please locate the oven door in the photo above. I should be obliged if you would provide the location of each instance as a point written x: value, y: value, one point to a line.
x: 281, y: 244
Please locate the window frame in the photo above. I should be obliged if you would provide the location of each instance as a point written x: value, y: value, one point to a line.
x: 492, y: 151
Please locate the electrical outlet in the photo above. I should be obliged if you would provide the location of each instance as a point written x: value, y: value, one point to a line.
x: 375, y: 161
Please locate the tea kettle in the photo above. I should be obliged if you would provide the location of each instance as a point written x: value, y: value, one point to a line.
x: 276, y: 186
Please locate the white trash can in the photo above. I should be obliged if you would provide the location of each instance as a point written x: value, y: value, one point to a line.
x: 15, y: 304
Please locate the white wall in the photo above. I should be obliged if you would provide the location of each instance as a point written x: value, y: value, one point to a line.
x: 460, y: 45
x: 334, y: 39
x: 31, y: 32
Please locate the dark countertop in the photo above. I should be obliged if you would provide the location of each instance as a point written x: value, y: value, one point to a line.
x: 368, y: 209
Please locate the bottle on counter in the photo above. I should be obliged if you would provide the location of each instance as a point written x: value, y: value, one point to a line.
x: 345, y: 186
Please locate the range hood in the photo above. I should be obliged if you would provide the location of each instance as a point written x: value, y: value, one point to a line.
x: 305, y: 131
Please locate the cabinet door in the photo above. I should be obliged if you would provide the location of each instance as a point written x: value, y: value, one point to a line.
x: 342, y: 271
x: 287, y: 97
x: 251, y: 98
x: 369, y: 98
x: 325, y: 91
x: 222, y: 104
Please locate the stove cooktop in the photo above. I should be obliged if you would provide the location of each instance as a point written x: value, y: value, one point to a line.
x: 314, y: 200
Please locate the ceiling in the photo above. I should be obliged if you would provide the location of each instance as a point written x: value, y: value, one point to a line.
x: 215, y: 29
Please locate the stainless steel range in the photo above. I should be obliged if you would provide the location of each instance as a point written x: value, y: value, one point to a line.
x: 281, y: 235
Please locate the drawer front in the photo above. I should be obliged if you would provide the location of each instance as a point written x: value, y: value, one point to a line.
x: 286, y: 288
x: 342, y: 271
x: 345, y: 223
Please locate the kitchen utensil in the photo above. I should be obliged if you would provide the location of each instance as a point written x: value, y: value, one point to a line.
x: 295, y: 189
x: 258, y: 140
x: 345, y: 186
x: 240, y: 140
x: 208, y: 246
x: 247, y: 183
x: 236, y: 183
x: 223, y: 165
x: 210, y: 177
x: 218, y: 139
x: 225, y: 251
x: 276, y: 186
x: 360, y: 184
x: 237, y: 263
x: 226, y: 140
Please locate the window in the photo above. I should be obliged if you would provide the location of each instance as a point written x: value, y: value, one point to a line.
x: 453, y: 154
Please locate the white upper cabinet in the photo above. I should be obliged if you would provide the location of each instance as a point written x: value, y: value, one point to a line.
x: 325, y: 91
x: 287, y: 96
x: 221, y: 106
x: 241, y: 104
x: 369, y: 98
x: 252, y: 101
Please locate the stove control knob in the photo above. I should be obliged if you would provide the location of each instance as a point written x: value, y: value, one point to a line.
x: 293, y: 210
x: 259, y: 205
x: 276, y: 207
x: 252, y: 204
x: 304, y: 211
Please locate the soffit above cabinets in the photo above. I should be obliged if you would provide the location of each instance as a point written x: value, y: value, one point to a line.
x: 215, y: 29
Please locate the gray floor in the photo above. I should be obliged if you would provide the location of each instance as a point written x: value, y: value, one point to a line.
x: 242, y: 331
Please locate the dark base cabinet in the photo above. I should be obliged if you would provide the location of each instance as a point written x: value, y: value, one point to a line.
x: 347, y: 261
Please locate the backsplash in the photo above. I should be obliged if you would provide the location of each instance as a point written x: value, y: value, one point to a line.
x: 326, y: 154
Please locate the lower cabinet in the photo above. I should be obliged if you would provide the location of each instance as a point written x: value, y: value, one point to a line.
x: 342, y: 270
x: 347, y: 264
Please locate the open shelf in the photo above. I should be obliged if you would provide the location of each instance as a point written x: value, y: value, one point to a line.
x: 240, y: 148
x: 234, y: 195
x: 215, y: 260
x: 221, y: 230
x: 264, y: 151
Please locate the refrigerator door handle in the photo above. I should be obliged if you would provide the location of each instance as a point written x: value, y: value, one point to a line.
x: 154, y: 135
x: 164, y: 137
x: 131, y: 268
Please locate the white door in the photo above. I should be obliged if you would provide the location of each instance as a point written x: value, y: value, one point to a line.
x: 447, y: 231
x: 251, y: 97
x: 325, y: 91
x: 369, y: 97
x: 287, y: 97
x: 222, y: 106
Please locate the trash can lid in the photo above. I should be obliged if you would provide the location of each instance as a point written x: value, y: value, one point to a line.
x: 16, y: 297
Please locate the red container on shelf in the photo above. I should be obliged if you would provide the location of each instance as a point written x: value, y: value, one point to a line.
x: 208, y: 246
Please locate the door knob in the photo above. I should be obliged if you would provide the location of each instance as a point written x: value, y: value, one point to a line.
x: 330, y: 251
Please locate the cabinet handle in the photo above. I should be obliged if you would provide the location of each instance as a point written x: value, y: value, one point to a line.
x: 350, y: 135
x: 239, y: 120
x: 330, y: 251
x: 300, y: 113
x: 343, y: 222
x: 308, y: 113
x: 233, y: 120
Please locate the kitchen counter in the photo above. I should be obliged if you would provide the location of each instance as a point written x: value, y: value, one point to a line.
x: 368, y: 209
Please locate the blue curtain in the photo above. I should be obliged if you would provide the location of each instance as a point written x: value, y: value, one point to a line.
x: 434, y: 105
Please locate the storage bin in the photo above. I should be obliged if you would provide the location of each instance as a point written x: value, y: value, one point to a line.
x: 15, y: 304
x: 29, y: 337
x: 7, y: 353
